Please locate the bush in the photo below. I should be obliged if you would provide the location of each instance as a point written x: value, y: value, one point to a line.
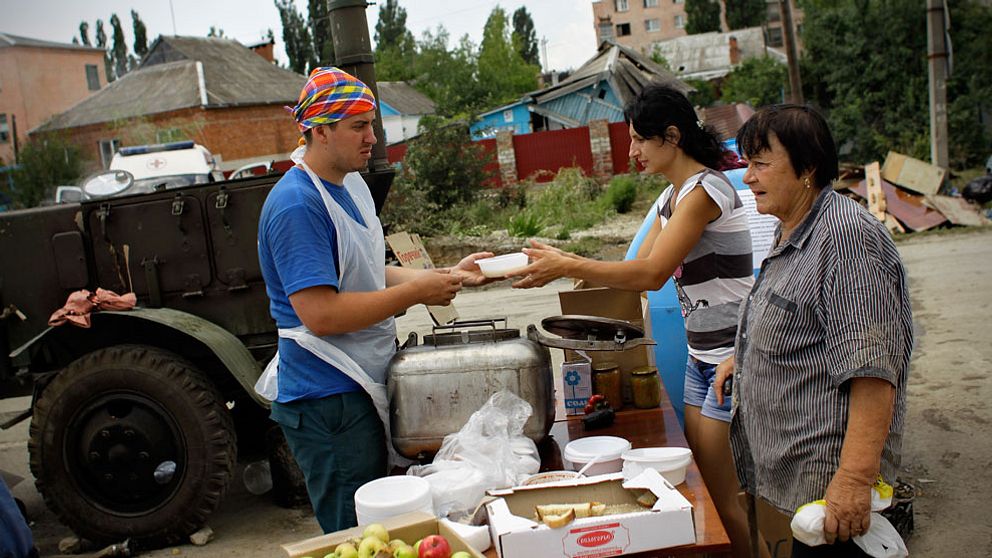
x: 445, y: 163
x: 622, y: 193
x: 525, y: 224
x: 45, y: 163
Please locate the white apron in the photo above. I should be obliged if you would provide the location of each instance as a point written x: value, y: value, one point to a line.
x: 361, y: 355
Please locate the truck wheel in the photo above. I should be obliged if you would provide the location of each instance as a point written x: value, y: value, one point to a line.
x: 132, y: 442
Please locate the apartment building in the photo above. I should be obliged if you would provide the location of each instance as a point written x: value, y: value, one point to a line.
x: 640, y: 24
x: 38, y: 79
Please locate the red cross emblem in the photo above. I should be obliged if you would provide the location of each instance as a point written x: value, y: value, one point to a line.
x: 156, y: 163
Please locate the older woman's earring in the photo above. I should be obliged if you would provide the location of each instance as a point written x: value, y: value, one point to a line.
x: 807, y: 184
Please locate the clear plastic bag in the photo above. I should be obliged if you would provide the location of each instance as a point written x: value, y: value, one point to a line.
x: 490, y: 451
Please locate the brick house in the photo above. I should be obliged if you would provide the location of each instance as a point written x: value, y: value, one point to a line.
x: 38, y: 79
x: 213, y: 91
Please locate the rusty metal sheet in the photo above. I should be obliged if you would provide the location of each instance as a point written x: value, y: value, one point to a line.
x: 908, y: 208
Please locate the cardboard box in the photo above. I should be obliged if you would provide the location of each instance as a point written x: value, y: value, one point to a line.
x: 515, y: 534
x: 576, y: 378
x: 409, y: 527
x: 410, y: 251
x: 605, y: 302
x: 913, y: 174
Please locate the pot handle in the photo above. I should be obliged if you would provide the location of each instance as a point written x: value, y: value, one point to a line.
x: 585, y: 345
x: 458, y: 324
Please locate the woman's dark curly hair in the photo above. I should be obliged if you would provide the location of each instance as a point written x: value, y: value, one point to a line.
x: 659, y: 106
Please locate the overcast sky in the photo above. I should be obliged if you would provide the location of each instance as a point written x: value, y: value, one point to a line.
x: 565, y: 24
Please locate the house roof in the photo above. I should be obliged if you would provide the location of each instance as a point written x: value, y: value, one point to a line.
x: 404, y: 98
x: 624, y: 69
x: 707, y: 55
x: 8, y: 40
x: 726, y: 120
x: 185, y: 72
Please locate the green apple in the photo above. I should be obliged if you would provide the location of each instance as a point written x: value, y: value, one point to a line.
x: 346, y: 550
x: 406, y: 551
x: 461, y: 554
x: 370, y: 547
x: 416, y: 546
x: 332, y: 555
x: 378, y: 531
x: 396, y: 543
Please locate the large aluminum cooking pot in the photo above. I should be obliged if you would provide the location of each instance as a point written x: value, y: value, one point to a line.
x: 435, y: 387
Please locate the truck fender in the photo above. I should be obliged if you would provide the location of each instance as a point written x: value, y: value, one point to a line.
x: 223, y: 344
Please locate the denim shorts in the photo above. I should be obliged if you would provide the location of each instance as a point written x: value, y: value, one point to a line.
x: 699, y: 392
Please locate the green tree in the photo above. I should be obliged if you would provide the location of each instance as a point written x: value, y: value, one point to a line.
x: 705, y: 94
x: 502, y: 71
x: 101, y: 42
x: 880, y: 102
x: 746, y: 13
x: 84, y: 33
x: 703, y: 16
x: 524, y: 36
x: 448, y: 76
x: 320, y: 29
x: 445, y: 163
x: 296, y: 37
x: 395, y: 47
x: 140, y: 35
x: 45, y: 163
x: 757, y: 81
x: 969, y: 88
x: 118, y: 52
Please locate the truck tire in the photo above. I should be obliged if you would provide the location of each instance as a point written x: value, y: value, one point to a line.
x: 132, y: 442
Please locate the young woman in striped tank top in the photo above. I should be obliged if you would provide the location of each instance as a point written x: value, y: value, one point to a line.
x: 701, y: 238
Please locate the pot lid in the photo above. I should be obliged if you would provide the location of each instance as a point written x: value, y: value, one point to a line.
x: 589, y: 328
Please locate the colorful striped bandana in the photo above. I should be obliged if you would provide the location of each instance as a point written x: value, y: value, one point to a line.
x: 330, y: 95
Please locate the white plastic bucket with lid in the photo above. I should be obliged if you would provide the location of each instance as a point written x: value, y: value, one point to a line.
x: 380, y: 499
x: 670, y: 462
x: 605, y: 450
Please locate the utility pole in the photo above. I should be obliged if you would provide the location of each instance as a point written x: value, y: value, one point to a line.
x: 353, y: 54
x: 791, y: 52
x: 938, y: 62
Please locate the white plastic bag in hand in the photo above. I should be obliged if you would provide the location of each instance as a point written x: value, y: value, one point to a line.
x: 880, y: 541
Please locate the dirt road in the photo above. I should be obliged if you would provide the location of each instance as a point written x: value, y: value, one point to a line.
x: 947, y: 449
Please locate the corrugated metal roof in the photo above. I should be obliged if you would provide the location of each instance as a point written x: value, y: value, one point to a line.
x: 726, y: 119
x: 624, y: 69
x: 707, y: 55
x: 404, y: 98
x: 8, y: 40
x: 168, y: 80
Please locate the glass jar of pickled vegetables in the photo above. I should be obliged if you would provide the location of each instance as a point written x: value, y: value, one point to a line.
x: 646, y: 387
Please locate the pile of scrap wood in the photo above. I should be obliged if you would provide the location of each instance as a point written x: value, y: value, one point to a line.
x: 902, y: 193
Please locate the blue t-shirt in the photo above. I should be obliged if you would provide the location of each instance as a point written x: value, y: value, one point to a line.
x: 297, y: 249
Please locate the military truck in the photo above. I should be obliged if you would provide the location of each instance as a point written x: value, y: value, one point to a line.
x: 138, y: 420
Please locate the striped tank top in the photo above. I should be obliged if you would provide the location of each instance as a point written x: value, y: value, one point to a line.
x: 717, y: 273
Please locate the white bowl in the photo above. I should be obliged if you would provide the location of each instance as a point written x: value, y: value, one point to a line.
x: 500, y: 266
x: 670, y: 462
x: 380, y: 499
x: 607, y: 451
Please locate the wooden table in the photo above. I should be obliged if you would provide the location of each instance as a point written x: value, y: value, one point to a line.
x: 648, y: 428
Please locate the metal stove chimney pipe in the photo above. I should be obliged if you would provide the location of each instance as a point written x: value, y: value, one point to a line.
x: 353, y: 54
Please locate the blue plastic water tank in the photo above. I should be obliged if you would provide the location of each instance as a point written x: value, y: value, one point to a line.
x: 667, y: 326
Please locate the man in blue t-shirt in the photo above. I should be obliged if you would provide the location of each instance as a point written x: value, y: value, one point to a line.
x: 321, y: 250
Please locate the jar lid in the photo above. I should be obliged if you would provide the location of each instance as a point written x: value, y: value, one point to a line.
x: 644, y: 370
x: 604, y: 365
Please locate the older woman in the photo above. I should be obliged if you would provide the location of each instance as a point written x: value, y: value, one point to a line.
x: 824, y: 339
